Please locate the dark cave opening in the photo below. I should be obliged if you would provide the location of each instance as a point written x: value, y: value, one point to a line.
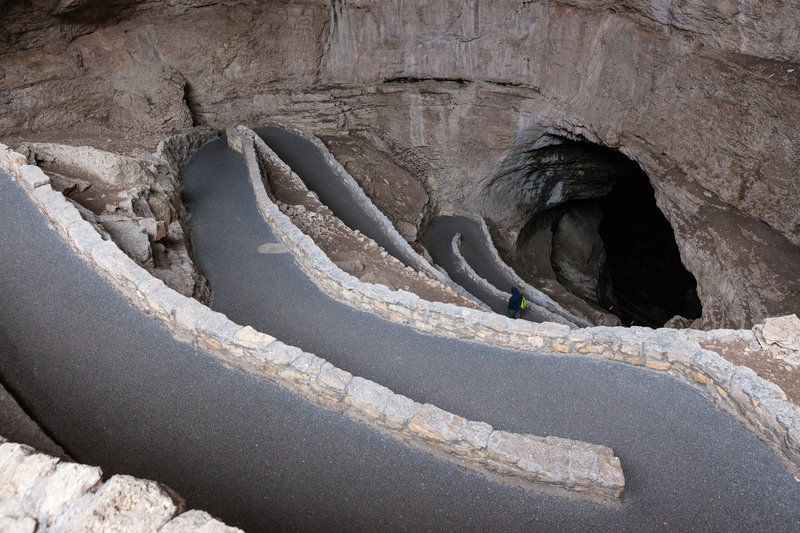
x: 609, y: 243
x: 650, y: 283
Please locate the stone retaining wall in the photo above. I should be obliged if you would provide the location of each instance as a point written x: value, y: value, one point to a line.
x: 409, y: 254
x: 550, y: 465
x: 455, y: 246
x: 42, y: 493
x: 759, y: 405
x: 544, y: 304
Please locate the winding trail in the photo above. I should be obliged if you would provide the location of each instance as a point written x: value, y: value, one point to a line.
x: 437, y: 238
x: 115, y: 389
x: 310, y: 165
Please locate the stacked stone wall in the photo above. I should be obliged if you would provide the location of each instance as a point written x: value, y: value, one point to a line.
x: 551, y: 465
x: 761, y: 406
x: 409, y: 254
x: 543, y: 303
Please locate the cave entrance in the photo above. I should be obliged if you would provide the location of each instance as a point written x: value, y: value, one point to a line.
x: 609, y: 243
x: 650, y: 283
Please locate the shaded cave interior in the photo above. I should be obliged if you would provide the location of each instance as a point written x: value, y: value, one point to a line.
x: 596, y: 224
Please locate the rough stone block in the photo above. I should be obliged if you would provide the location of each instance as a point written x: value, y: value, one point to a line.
x: 787, y: 414
x: 399, y: 411
x: 84, y: 235
x: 307, y: 366
x: 165, y: 301
x: 104, y: 253
x: 64, y: 486
x: 746, y: 386
x: 534, y: 341
x: 494, y: 322
x: 11, y: 160
x: 197, y: 522
x: 562, y: 347
x: 715, y: 367
x: 436, y: 424
x: 119, y: 264
x: 553, y: 330
x: 547, y: 463
x: 65, y: 215
x: 657, y: 365
x: 510, y: 447
x: 248, y: 337
x: 122, y: 504
x: 681, y: 353
x: 48, y: 198
x: 367, y: 396
x: 583, y: 465
x: 217, y: 325
x: 188, y: 314
x: 653, y: 351
x: 21, y: 467
x: 282, y: 354
x: 476, y: 434
x: 610, y: 473
x: 33, y: 176
x: 334, y: 380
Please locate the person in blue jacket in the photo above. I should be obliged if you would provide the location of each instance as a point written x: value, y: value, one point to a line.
x: 516, y: 303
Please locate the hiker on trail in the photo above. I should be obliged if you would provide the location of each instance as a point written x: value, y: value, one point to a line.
x: 516, y: 303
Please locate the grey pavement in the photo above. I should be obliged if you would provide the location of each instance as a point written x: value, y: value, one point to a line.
x: 310, y: 166
x: 683, y: 459
x: 114, y: 389
x: 437, y: 239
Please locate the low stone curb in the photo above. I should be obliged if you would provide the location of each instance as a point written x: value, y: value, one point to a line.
x: 42, y: 493
x: 409, y: 254
x: 544, y: 464
x: 544, y: 304
x: 759, y: 405
x: 463, y: 265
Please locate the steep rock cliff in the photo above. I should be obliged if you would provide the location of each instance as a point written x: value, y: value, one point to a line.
x: 702, y: 95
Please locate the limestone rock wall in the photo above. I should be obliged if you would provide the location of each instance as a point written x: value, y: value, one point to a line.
x: 703, y: 95
x: 41, y: 493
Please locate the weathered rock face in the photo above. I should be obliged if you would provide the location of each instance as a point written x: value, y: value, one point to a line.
x: 133, y: 200
x: 702, y: 95
x: 578, y: 255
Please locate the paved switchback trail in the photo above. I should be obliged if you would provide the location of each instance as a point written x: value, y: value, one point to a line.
x: 686, y: 464
x: 438, y: 239
x: 115, y: 389
x: 309, y: 164
x: 311, y: 167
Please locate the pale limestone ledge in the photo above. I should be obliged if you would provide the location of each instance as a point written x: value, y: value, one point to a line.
x: 533, y: 463
x: 42, y: 493
x: 759, y: 405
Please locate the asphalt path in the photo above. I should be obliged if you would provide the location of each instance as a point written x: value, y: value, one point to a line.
x: 310, y: 166
x: 114, y: 389
x: 438, y: 238
x: 687, y: 465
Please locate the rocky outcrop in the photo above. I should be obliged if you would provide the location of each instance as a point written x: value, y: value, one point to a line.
x: 40, y: 493
x: 702, y: 95
x: 780, y: 336
x: 133, y: 200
